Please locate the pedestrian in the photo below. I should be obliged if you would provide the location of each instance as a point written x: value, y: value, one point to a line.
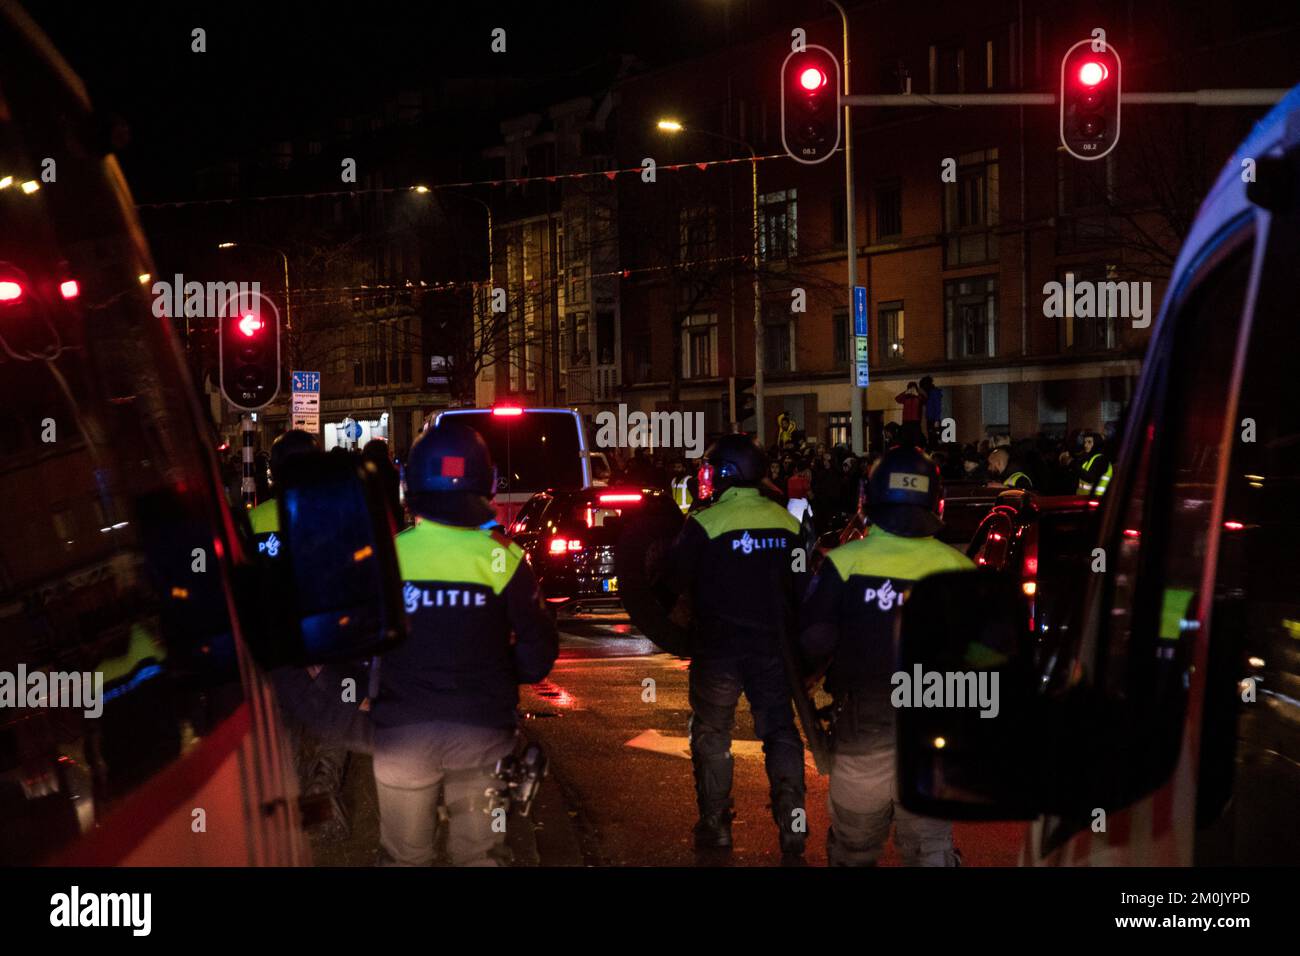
x: 1092, y: 469
x: 448, y: 695
x: 1006, y: 471
x: 847, y: 624
x: 682, y: 494
x: 913, y: 403
x: 733, y: 562
x: 933, y: 409
x: 375, y: 452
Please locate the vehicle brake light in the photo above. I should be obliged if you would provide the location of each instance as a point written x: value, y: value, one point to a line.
x: 1132, y: 533
x: 561, y: 545
x: 10, y: 292
x: 1233, y: 526
x: 70, y: 289
x: 509, y: 411
x: 620, y: 497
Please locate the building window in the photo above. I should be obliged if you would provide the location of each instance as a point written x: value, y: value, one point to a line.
x: 948, y: 69
x: 409, y: 344
x: 579, y: 347
x: 838, y: 428
x: 636, y: 359
x: 698, y: 231
x: 700, y: 346
x: 1105, y: 299
x: 889, y: 210
x: 576, y: 294
x: 890, y: 321
x: 841, y: 333
x: 995, y: 403
x: 605, y: 338
x: 970, y: 210
x: 778, y: 225
x: 778, y: 341
x: 970, y: 317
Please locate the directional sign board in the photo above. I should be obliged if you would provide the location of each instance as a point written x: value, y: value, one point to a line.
x: 306, y: 382
x: 861, y: 351
x: 305, y: 407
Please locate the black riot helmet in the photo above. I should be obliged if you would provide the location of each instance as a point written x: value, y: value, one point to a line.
x: 450, y: 477
x: 736, y: 460
x: 905, y: 492
x: 290, y: 445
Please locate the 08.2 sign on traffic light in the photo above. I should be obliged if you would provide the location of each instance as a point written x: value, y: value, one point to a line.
x: 810, y: 104
x: 249, y: 353
x: 1090, y: 89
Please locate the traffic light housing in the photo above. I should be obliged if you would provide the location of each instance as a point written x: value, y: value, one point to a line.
x: 249, y: 354
x: 810, y: 104
x: 1090, y: 92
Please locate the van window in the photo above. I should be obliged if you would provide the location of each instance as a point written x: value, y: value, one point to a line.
x: 532, y: 451
x: 117, y: 655
x: 1156, y: 550
x: 1250, y: 750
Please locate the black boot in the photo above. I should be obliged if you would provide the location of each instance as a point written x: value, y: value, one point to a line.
x: 713, y: 832
x: 791, y: 822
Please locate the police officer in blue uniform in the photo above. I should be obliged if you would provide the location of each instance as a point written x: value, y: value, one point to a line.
x: 734, y: 563
x: 265, y: 518
x: 848, y: 618
x: 446, y: 709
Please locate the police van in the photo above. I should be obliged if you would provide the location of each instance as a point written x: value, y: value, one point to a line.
x: 534, y: 449
x: 139, y: 632
x: 1162, y: 727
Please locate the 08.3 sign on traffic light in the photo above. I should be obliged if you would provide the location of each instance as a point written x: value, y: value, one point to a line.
x: 249, y: 353
x: 810, y: 104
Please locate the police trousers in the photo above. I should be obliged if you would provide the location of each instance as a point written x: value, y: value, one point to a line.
x: 415, y: 765
x: 863, y: 804
x: 715, y: 688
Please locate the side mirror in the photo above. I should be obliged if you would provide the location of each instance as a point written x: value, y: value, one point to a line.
x: 337, y: 588
x: 970, y: 727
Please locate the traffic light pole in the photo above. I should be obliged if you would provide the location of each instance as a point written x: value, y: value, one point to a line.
x: 249, y: 485
x: 850, y: 235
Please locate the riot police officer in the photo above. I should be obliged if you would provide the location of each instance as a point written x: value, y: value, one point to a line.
x: 734, y: 562
x: 446, y: 709
x: 264, y: 518
x: 847, y: 619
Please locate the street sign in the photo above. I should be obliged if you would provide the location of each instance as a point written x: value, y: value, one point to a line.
x: 352, y: 430
x: 306, y: 402
x: 861, y: 360
x: 306, y: 422
x: 306, y: 381
x: 859, y: 310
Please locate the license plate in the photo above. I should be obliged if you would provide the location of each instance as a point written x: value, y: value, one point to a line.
x: 609, y: 585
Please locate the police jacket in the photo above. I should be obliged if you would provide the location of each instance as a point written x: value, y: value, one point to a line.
x: 735, y: 560
x: 848, y: 617
x: 477, y: 630
x: 265, y: 521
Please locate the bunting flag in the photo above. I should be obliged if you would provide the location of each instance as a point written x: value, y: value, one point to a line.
x: 610, y: 174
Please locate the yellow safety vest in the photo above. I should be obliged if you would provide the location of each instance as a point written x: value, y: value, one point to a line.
x: 1086, y: 488
x: 682, y: 494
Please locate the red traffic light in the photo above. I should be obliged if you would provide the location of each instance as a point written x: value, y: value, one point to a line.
x: 1090, y: 99
x: 1093, y: 72
x: 250, y: 325
x: 810, y: 113
x: 812, y: 79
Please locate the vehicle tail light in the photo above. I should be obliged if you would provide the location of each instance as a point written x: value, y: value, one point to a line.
x: 625, y: 498
x: 1029, y: 571
x: 561, y: 545
x: 10, y: 291
x: 1232, y: 526
x: 70, y: 289
x: 508, y: 411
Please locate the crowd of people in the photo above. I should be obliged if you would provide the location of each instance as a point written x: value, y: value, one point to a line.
x: 829, y: 477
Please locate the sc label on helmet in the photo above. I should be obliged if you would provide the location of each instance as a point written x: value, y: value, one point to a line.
x: 907, y: 482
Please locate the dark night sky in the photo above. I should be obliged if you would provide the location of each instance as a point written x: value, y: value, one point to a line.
x: 270, y: 65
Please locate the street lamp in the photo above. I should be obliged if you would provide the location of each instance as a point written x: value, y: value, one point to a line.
x: 288, y: 315
x: 673, y: 126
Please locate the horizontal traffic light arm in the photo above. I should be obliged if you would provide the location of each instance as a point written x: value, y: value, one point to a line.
x: 1244, y: 97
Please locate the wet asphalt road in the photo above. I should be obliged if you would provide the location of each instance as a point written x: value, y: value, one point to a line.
x: 636, y: 804
x: 612, y: 718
